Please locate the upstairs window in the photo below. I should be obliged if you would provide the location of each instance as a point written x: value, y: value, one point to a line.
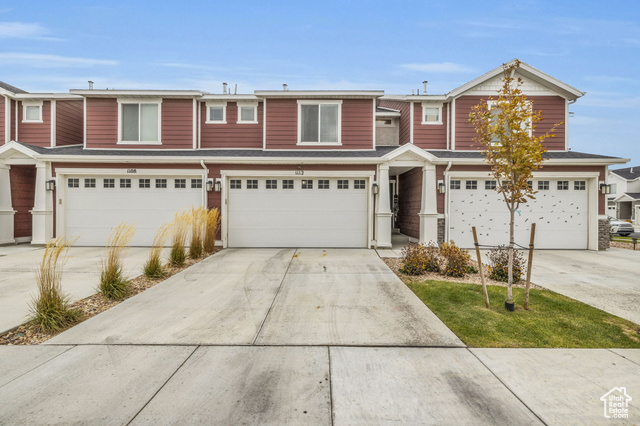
x: 32, y: 111
x: 431, y: 113
x: 248, y: 112
x: 319, y: 122
x: 493, y: 106
x: 139, y: 122
x: 216, y: 113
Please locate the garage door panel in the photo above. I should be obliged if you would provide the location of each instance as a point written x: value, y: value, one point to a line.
x: 297, y: 217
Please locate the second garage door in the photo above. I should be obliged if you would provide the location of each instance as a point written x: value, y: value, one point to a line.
x: 297, y: 212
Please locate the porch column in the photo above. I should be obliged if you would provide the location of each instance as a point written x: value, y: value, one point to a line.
x: 6, y: 208
x: 383, y: 209
x: 42, y: 213
x: 429, y: 207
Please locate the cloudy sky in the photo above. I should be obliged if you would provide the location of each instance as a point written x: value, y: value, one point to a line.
x: 384, y: 45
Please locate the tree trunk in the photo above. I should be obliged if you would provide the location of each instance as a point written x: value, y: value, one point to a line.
x: 511, y: 238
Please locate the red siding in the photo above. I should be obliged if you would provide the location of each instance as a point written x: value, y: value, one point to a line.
x: 232, y: 134
x: 409, y: 202
x: 553, y: 111
x: 23, y: 185
x: 69, y: 122
x: 2, y: 116
x: 405, y: 118
x: 177, y: 124
x: 357, y: 125
x: 13, y: 120
x: 102, y: 123
x: 429, y: 136
x: 38, y: 134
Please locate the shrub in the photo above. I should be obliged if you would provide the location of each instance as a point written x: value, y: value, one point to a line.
x: 417, y: 259
x: 50, y: 309
x: 499, y: 264
x: 212, y: 223
x: 455, y: 260
x: 180, y: 230
x: 153, y: 265
x: 113, y: 283
x: 198, y: 222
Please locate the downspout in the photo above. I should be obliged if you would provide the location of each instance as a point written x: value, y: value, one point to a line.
x: 204, y: 184
x: 446, y: 201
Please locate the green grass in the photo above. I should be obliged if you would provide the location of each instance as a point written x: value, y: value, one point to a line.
x: 623, y: 239
x: 553, y: 320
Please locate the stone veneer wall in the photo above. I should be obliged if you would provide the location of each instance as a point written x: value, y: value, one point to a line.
x: 440, y: 230
x: 603, y: 234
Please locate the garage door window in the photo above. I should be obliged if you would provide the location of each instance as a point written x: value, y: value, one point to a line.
x: 144, y: 183
x: 125, y: 183
x: 108, y: 183
x: 287, y: 184
x: 307, y: 184
x: 579, y: 185
x: 471, y: 184
x: 180, y: 183
x: 196, y: 183
x: 323, y: 184
x: 358, y: 184
x: 272, y: 184
x: 252, y: 183
x: 235, y: 184
x: 543, y: 185
x: 89, y: 183
x: 161, y: 183
x: 563, y: 185
x: 489, y: 184
x: 455, y: 184
x: 343, y: 184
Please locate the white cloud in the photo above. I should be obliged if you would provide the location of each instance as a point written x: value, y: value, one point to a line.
x: 24, y: 30
x: 436, y: 67
x: 45, y: 61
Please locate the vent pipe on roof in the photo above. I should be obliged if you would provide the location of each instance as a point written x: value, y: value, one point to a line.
x: 285, y: 87
x: 424, y: 87
x: 90, y: 85
x: 235, y: 91
x: 413, y: 92
x: 224, y: 88
x: 631, y: 171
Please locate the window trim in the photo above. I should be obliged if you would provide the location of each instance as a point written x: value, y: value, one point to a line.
x: 139, y: 101
x: 338, y: 103
x: 26, y: 104
x: 253, y: 105
x: 491, y: 103
x: 439, y: 106
x: 222, y: 105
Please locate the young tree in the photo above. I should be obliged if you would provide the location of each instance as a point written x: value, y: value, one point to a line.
x: 505, y: 129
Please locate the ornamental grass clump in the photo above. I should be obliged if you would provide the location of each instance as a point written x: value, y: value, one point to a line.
x: 179, y: 233
x: 499, y: 264
x: 113, y: 284
x: 212, y: 223
x: 198, y: 222
x: 153, y: 265
x: 455, y: 260
x: 50, y: 311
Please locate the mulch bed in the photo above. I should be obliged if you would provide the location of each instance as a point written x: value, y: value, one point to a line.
x: 28, y: 334
x: 396, y: 264
x: 625, y: 245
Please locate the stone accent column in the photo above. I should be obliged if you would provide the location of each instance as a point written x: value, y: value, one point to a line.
x: 6, y: 208
x: 42, y: 213
x: 441, y: 222
x: 429, y: 208
x: 604, y: 241
x: 384, y: 216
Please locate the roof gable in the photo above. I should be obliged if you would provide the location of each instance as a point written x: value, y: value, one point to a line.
x: 629, y: 173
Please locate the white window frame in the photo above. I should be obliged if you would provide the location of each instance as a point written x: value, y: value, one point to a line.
x: 339, y: 124
x: 222, y: 105
x: 253, y: 105
x: 26, y: 104
x: 492, y: 103
x: 431, y: 105
x: 139, y: 101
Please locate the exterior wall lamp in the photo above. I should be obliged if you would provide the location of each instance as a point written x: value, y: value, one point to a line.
x: 441, y: 187
x: 375, y: 189
x: 605, y: 189
x: 50, y: 185
x: 218, y: 186
x: 209, y: 185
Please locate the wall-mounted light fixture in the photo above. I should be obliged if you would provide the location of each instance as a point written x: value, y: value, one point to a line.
x: 209, y: 185
x: 375, y: 189
x: 50, y: 185
x: 605, y: 189
x: 441, y: 187
x: 218, y: 185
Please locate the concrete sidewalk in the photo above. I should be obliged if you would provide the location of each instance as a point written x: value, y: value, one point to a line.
x: 80, y: 279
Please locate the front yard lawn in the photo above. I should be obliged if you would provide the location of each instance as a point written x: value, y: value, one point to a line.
x: 553, y: 320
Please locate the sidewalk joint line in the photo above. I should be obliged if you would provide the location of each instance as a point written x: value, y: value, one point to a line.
x: 39, y: 365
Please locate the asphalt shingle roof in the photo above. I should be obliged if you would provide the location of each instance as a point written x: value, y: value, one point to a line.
x: 11, y: 88
x: 548, y: 155
x: 634, y: 195
x: 629, y: 173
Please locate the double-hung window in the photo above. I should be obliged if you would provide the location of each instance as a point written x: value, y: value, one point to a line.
x: 139, y: 121
x: 496, y: 110
x: 216, y: 113
x: 32, y: 111
x: 431, y: 113
x: 248, y: 112
x: 319, y: 122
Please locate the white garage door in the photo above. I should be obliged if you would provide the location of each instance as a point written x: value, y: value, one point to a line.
x: 560, y: 212
x: 297, y: 212
x: 96, y: 204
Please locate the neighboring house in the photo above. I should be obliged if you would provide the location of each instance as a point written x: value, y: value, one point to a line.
x: 624, y: 200
x: 287, y: 168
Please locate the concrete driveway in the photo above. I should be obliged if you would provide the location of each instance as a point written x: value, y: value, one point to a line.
x: 608, y: 280
x: 18, y: 264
